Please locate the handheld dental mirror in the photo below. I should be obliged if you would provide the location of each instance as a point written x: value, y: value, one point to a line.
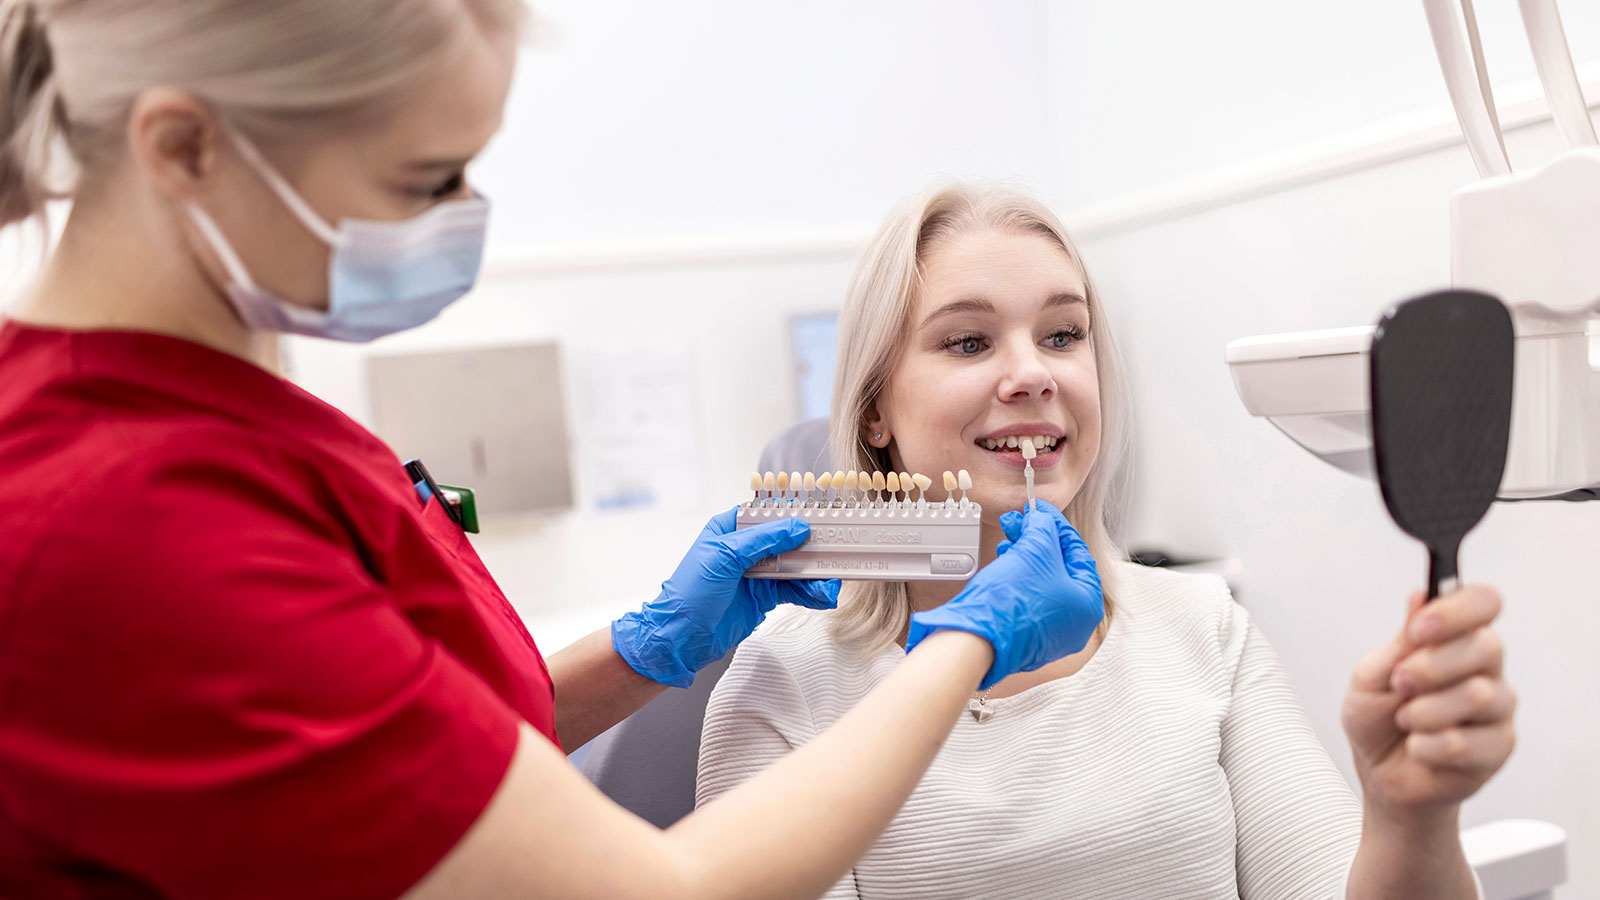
x: 1441, y: 370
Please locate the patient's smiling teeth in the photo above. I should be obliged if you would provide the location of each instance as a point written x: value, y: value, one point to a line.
x: 1042, y: 443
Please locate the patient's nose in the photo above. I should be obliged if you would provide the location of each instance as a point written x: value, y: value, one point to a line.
x: 1026, y: 377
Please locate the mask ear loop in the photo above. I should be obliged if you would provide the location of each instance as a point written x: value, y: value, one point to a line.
x: 220, y: 246
x: 239, y: 275
x: 1467, y: 79
x: 301, y: 209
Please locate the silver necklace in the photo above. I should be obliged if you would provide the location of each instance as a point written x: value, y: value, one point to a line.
x: 979, y: 707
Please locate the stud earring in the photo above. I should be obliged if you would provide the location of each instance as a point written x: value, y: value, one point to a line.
x: 877, y: 435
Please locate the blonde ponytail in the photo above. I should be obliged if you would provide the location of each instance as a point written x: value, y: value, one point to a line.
x: 31, y: 120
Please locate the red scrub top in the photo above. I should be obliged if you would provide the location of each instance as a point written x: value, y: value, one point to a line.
x: 239, y: 657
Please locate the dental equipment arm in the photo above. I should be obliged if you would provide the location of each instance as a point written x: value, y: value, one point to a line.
x: 1548, y: 40
x: 1467, y: 79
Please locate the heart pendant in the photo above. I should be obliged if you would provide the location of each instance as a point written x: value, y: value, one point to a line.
x: 980, y: 710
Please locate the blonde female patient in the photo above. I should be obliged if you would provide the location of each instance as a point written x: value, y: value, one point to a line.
x: 1168, y: 758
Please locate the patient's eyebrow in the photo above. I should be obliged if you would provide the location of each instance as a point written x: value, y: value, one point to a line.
x: 960, y: 306
x: 975, y: 305
x: 1065, y: 299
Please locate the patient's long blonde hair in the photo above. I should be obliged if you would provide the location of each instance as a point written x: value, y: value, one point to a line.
x: 873, y: 330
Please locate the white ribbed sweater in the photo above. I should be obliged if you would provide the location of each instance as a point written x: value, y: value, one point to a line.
x: 1176, y: 764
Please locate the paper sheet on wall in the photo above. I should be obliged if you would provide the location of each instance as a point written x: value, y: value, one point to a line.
x: 638, y: 428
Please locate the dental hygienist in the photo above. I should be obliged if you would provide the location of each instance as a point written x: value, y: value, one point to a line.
x: 241, y: 653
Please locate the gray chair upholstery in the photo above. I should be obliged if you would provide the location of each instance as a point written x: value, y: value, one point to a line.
x: 802, y: 447
x: 647, y: 762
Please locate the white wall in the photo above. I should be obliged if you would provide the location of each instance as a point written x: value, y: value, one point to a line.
x: 642, y: 120
x: 1150, y: 91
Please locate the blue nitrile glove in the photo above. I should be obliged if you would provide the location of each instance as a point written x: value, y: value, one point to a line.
x: 708, y: 606
x: 1038, y: 601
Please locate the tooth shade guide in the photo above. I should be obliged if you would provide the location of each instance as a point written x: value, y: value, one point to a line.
x: 870, y: 540
x: 891, y: 492
x: 1028, y: 450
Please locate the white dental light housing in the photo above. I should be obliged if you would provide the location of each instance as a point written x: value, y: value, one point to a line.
x: 1532, y: 239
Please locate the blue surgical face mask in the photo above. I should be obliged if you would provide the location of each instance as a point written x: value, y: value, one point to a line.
x: 385, y: 277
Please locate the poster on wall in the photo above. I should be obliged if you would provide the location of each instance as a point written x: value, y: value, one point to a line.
x: 637, y: 423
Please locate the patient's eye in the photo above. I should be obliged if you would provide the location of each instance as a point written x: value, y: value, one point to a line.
x: 1062, y: 338
x: 964, y: 344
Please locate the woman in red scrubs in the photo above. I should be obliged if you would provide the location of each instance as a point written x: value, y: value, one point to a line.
x: 243, y: 652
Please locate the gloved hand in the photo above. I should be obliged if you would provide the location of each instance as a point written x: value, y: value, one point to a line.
x: 708, y: 606
x: 1038, y: 601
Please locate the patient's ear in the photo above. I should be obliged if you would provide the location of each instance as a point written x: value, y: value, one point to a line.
x: 875, y: 432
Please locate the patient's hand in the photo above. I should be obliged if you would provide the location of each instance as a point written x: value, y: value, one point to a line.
x: 1428, y: 714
